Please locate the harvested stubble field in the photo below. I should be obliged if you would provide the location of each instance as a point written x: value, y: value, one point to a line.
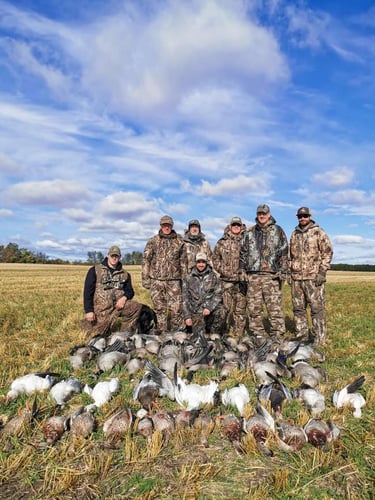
x: 40, y: 315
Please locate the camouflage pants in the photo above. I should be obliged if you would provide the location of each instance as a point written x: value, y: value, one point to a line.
x: 213, y: 323
x: 106, y: 318
x: 264, y: 290
x: 234, y: 308
x: 167, y: 303
x: 306, y: 294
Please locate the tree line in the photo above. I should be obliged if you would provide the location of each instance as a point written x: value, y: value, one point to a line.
x: 13, y: 254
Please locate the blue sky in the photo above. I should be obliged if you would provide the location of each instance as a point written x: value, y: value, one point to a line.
x: 115, y: 113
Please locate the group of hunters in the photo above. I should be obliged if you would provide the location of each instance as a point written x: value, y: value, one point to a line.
x: 224, y: 290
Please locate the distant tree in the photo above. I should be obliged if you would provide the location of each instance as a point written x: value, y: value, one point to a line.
x: 94, y: 257
x: 11, y: 253
x: 133, y: 258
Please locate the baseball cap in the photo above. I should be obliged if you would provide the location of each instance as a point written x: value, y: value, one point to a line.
x: 263, y: 209
x: 194, y: 222
x: 114, y: 250
x: 236, y: 220
x: 303, y: 211
x: 166, y: 219
x: 201, y: 256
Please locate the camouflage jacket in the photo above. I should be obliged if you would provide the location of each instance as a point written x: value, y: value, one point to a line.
x: 310, y: 251
x: 226, y: 255
x: 200, y: 291
x: 104, y: 286
x: 195, y: 244
x: 164, y: 258
x: 265, y: 250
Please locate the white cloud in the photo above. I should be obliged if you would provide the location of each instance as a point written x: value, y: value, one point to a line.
x: 5, y: 213
x: 335, y: 178
x: 235, y: 186
x: 51, y: 193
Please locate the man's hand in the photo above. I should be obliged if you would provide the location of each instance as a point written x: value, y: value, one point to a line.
x: 320, y: 278
x: 121, y: 303
x: 206, y: 312
x: 90, y: 317
x: 146, y: 284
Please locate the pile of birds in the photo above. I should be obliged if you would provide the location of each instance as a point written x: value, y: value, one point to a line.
x: 159, y: 361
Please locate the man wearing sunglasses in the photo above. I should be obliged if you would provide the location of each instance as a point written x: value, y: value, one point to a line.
x: 310, y: 255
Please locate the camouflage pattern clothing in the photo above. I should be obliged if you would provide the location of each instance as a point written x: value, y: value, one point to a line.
x: 164, y: 266
x: 226, y: 261
x: 103, y: 287
x: 310, y: 255
x: 264, y: 259
x: 202, y: 290
x: 194, y: 244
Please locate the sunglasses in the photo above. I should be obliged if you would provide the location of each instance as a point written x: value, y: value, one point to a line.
x: 236, y: 224
x: 303, y: 216
x: 115, y: 256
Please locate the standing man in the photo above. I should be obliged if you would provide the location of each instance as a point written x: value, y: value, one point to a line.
x: 195, y: 241
x: 164, y: 266
x: 310, y: 255
x: 226, y: 261
x: 202, y: 298
x: 107, y: 295
x: 264, y: 259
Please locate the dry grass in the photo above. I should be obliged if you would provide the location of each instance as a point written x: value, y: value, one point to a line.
x: 40, y: 314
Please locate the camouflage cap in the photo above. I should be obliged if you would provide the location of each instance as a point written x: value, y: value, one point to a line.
x: 114, y: 250
x: 303, y: 211
x: 263, y: 209
x: 194, y: 222
x: 201, y: 256
x: 166, y: 219
x: 236, y: 220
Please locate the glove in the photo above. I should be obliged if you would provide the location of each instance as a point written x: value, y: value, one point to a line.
x: 243, y: 287
x: 146, y: 284
x: 320, y: 278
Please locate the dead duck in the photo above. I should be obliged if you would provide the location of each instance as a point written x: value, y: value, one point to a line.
x: 232, y: 429
x: 349, y: 397
x: 313, y: 399
x: 320, y: 433
x: 82, y: 423
x: 31, y: 383
x: 153, y: 384
x: 64, y: 390
x: 237, y: 396
x: 102, y: 392
x: 17, y: 425
x: 292, y: 437
x: 309, y: 375
x: 117, y: 426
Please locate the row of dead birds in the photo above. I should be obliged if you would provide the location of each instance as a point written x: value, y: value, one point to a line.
x: 269, y: 363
